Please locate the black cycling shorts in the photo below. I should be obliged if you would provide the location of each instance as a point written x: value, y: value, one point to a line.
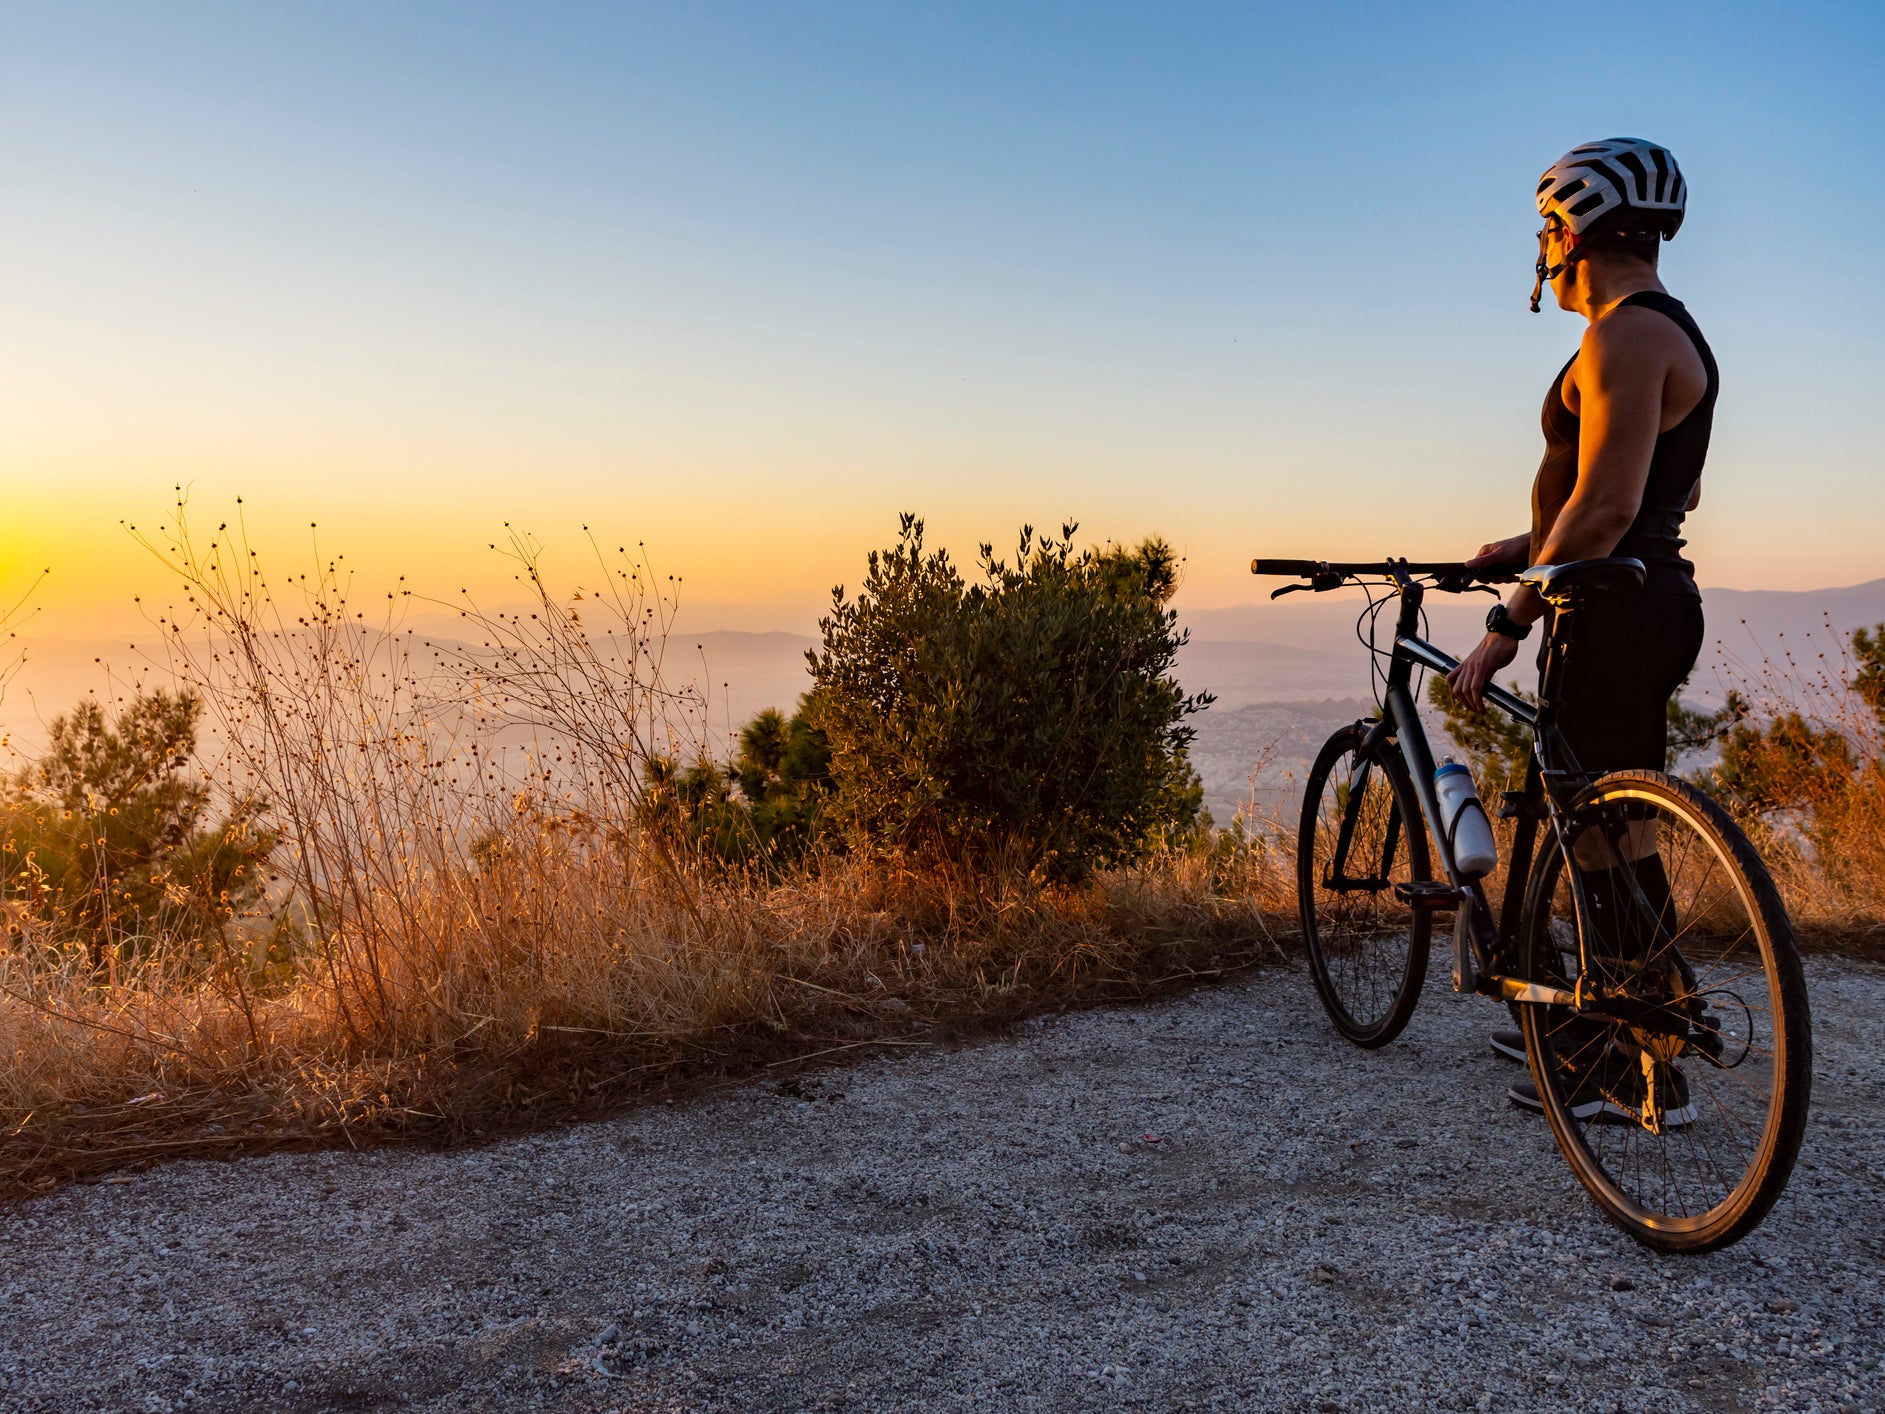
x: 1631, y: 653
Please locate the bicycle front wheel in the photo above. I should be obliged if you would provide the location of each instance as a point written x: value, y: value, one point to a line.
x: 1679, y: 1092
x: 1361, y: 834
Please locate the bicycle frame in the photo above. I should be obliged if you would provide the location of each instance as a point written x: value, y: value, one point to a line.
x: 1552, y: 780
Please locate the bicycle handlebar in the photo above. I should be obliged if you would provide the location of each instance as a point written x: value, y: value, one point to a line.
x: 1452, y: 570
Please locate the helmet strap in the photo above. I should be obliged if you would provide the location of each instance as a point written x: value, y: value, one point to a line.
x: 1551, y: 272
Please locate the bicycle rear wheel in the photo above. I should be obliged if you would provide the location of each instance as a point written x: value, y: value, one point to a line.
x: 1680, y: 1099
x: 1367, y: 947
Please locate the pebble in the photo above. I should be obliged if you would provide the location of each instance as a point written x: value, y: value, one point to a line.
x: 987, y: 1227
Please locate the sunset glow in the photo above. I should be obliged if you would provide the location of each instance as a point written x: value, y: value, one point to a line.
x: 745, y: 289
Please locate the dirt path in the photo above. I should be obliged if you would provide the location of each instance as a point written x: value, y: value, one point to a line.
x: 1208, y: 1203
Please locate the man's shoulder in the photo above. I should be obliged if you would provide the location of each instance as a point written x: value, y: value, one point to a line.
x: 1630, y: 338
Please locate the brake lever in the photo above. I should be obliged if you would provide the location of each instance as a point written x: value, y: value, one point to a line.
x: 1450, y: 584
x: 1286, y: 589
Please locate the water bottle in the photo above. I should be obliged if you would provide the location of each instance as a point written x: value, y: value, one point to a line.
x: 1463, y: 820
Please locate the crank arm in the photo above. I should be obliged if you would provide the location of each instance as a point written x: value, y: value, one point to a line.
x: 1510, y: 989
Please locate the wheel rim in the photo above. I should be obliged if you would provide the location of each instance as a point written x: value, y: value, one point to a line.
x: 1364, y: 939
x: 1710, y: 958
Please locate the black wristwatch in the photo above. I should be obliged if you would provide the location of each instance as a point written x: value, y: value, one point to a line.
x: 1503, y: 624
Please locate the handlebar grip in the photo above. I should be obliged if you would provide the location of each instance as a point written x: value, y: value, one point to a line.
x: 1289, y: 567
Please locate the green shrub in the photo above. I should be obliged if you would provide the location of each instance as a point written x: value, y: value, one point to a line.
x: 784, y: 775
x: 1868, y: 647
x: 1031, y: 717
x: 105, y: 835
x: 1786, y: 763
x: 762, y: 809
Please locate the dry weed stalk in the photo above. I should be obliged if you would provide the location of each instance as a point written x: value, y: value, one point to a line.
x: 12, y: 653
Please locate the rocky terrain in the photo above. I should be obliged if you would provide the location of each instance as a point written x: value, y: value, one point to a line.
x: 1208, y: 1203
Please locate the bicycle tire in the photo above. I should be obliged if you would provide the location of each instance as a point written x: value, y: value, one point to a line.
x: 1702, y: 1175
x: 1367, y: 947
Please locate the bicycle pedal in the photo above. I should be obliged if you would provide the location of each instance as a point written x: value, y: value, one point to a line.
x: 1428, y: 893
x: 1465, y: 964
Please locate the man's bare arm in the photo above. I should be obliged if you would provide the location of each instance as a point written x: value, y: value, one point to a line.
x: 1619, y: 380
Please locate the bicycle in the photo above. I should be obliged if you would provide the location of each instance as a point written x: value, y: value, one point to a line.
x: 1669, y: 1038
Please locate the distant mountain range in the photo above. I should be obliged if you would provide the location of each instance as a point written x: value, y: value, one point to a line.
x: 1284, y: 672
x: 1305, y: 645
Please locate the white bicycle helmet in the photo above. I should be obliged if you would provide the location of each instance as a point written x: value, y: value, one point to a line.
x: 1621, y: 174
x: 1620, y: 184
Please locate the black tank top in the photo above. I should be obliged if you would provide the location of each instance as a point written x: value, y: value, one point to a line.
x: 1655, y: 536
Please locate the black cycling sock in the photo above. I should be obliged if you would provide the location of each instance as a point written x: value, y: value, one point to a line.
x: 1621, y: 926
x: 1622, y: 932
x: 1653, y: 879
x: 1602, y: 888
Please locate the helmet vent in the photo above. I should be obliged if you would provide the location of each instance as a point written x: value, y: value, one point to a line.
x: 1636, y: 169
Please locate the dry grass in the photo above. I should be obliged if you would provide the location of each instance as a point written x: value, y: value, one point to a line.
x: 565, y: 986
x: 1820, y: 824
x: 489, y: 941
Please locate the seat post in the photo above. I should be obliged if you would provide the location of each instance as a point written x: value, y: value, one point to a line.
x: 1552, y: 752
x: 1560, y: 636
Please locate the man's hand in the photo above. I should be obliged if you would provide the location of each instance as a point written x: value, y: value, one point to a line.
x: 1515, y: 550
x: 1469, y: 679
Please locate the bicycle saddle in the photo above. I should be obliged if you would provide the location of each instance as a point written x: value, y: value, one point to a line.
x: 1556, y: 584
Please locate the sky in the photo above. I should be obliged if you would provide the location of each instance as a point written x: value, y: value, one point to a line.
x: 743, y: 282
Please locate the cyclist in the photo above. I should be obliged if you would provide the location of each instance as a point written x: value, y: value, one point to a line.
x: 1626, y: 425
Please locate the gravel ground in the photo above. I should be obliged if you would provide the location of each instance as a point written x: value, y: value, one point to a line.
x: 1211, y: 1202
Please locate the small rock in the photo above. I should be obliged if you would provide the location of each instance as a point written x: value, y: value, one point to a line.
x: 1322, y: 1274
x: 1622, y: 1284
x: 610, y: 1336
